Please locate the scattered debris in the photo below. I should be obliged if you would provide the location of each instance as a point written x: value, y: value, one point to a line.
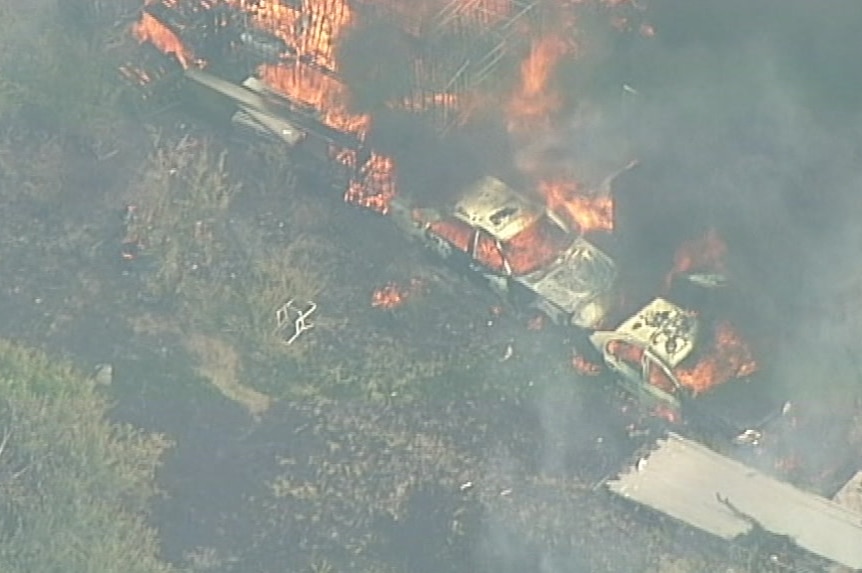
x: 288, y: 315
x: 103, y: 374
x: 510, y: 351
x: 708, y: 280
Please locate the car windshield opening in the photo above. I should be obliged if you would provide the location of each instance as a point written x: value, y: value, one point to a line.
x: 536, y: 246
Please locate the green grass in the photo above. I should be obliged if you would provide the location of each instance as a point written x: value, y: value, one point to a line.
x: 74, y: 487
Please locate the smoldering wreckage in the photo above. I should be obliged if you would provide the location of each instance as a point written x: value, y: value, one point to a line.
x: 277, y: 64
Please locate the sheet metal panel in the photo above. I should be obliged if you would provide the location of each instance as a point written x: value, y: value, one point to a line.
x: 694, y: 484
x: 850, y: 494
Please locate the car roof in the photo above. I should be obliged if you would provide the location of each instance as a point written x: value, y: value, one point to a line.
x: 496, y: 208
x: 665, y: 329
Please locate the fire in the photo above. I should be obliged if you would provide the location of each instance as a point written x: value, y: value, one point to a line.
x: 585, y: 367
x: 588, y: 212
x: 308, y: 74
x: 667, y: 414
x: 388, y: 296
x: 318, y: 90
x: 148, y: 29
x: 376, y: 186
x: 704, y: 254
x: 730, y: 357
x: 535, y: 100
x: 536, y: 322
x: 311, y: 79
x: 391, y: 295
x: 313, y: 31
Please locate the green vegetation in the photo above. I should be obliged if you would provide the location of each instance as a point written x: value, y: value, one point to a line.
x: 74, y: 487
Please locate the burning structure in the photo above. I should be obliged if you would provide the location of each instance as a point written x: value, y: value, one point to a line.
x: 290, y: 69
x: 444, y: 61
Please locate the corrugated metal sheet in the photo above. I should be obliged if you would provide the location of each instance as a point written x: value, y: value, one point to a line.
x: 694, y: 484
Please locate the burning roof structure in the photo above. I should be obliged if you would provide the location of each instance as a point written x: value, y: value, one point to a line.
x: 443, y: 60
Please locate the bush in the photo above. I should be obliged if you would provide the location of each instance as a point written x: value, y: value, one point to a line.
x: 74, y: 487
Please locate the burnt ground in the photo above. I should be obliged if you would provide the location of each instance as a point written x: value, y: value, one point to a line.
x: 70, y: 292
x: 492, y: 470
x: 489, y: 465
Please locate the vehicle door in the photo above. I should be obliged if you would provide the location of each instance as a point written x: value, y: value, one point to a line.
x: 625, y: 359
x: 488, y: 260
x: 659, y: 384
x: 452, y: 240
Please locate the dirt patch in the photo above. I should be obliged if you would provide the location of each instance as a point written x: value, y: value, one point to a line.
x: 219, y: 362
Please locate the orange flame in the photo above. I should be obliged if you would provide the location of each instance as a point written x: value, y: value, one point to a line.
x: 392, y: 295
x: 729, y: 358
x: 318, y: 90
x: 588, y: 212
x: 536, y: 322
x: 310, y: 79
x: 703, y: 254
x: 309, y: 75
x: 585, y: 367
x: 148, y: 29
x: 375, y: 187
x: 535, y: 100
x: 667, y: 414
x: 314, y: 33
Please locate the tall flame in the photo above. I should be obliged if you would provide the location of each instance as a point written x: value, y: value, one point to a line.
x: 702, y: 254
x: 535, y: 101
x: 730, y: 357
x: 149, y: 29
x: 375, y: 186
x: 308, y: 75
x: 590, y: 212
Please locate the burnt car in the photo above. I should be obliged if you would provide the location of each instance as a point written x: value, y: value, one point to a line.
x: 520, y: 248
x: 691, y: 369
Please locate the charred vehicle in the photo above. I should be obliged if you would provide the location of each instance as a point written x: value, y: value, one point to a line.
x: 689, y: 368
x: 526, y: 253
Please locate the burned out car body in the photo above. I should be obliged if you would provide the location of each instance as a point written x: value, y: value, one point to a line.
x: 665, y: 357
x: 524, y: 252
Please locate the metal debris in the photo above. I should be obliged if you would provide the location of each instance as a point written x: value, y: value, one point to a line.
x: 510, y: 351
x: 289, y: 315
x: 103, y: 374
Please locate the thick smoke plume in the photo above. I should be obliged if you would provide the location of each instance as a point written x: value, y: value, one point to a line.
x: 745, y: 120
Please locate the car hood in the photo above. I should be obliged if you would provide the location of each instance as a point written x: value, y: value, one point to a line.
x: 575, y: 279
x: 737, y: 405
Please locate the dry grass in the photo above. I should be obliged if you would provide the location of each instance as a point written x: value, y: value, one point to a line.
x: 219, y: 362
x: 225, y: 275
x: 31, y: 166
x: 216, y: 359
